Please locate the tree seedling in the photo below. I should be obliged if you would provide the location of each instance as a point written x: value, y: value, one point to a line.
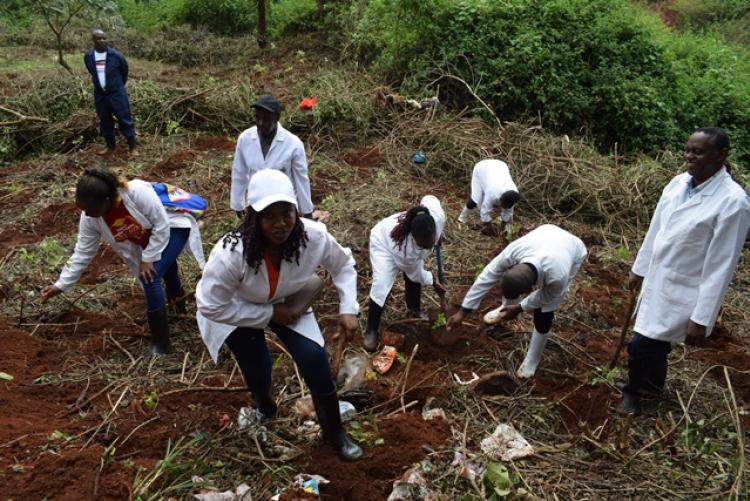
x: 440, y: 321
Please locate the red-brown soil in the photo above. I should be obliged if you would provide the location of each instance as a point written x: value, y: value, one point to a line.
x: 214, y: 143
x: 372, y: 477
x: 723, y: 349
x: 172, y: 165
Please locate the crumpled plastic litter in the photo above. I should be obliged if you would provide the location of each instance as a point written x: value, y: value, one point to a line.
x: 346, y: 410
x: 304, y: 408
x: 412, y: 486
x: 308, y: 103
x: 470, y: 470
x: 309, y: 484
x: 429, y: 412
x: 383, y: 361
x: 241, y: 493
x: 309, y: 428
x: 352, y: 373
x: 247, y: 417
x: 506, y: 443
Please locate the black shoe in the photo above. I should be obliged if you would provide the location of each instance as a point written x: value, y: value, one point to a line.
x: 418, y: 314
x: 649, y: 391
x: 327, y: 409
x: 630, y: 404
x: 265, y: 407
x: 159, y: 326
x: 371, y: 337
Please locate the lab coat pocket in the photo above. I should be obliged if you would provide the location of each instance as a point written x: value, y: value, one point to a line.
x: 680, y: 289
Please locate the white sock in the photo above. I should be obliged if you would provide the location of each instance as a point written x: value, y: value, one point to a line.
x: 534, y: 355
x: 464, y: 216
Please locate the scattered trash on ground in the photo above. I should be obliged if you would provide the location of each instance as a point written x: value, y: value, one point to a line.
x: 347, y: 410
x: 352, y: 373
x: 241, y: 493
x: 412, y: 486
x: 383, y: 361
x: 468, y: 469
x: 506, y: 443
x: 304, y: 408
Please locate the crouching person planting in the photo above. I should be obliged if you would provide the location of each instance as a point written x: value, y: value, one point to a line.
x: 263, y: 276
x: 147, y: 225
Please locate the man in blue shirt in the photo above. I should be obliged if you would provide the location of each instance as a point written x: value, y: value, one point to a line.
x: 109, y: 74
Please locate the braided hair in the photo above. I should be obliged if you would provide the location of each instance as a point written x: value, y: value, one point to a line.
x: 417, y: 221
x: 96, y: 185
x: 254, y: 242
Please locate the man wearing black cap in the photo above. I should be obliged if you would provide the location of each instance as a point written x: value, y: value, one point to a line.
x: 268, y: 145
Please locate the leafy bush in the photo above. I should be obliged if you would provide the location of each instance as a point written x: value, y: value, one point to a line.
x: 603, y: 68
x: 149, y: 15
x: 226, y: 17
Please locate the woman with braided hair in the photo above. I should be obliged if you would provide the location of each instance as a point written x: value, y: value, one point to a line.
x: 148, y: 233
x: 401, y: 242
x: 263, y: 275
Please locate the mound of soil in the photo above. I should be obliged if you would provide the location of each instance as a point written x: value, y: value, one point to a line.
x: 57, y: 219
x: 214, y: 143
x: 172, y: 165
x: 372, y: 477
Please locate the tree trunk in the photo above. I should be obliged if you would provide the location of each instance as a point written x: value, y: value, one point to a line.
x: 262, y: 37
x: 60, y: 59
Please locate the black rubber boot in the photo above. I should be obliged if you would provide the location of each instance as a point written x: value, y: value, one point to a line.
x: 159, y: 326
x: 327, y: 409
x: 177, y: 298
x: 630, y: 404
x: 265, y: 406
x: 413, y: 293
x: 371, y: 337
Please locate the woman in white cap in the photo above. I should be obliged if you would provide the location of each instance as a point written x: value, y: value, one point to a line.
x: 257, y: 277
x: 401, y: 242
x: 540, y: 266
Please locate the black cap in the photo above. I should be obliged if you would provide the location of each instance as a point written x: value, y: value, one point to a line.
x: 268, y: 103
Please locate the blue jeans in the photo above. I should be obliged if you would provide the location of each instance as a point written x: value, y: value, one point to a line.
x: 166, y: 268
x: 248, y: 345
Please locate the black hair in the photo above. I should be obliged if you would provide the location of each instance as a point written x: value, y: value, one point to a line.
x: 417, y: 221
x: 719, y: 139
x: 515, y: 282
x: 509, y: 198
x: 254, y: 242
x: 97, y: 185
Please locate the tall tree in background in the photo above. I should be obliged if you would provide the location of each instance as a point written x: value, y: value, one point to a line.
x: 59, y: 13
x: 262, y: 37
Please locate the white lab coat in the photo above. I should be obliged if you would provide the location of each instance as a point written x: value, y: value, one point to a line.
x: 689, y: 255
x: 145, y: 206
x: 556, y: 254
x: 387, y: 259
x: 286, y: 153
x: 231, y: 294
x: 489, y: 180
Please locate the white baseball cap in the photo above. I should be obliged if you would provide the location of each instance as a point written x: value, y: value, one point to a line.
x: 269, y: 186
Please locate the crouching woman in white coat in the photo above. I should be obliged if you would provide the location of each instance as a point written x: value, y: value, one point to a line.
x: 132, y: 218
x: 686, y: 261
x: 401, y: 242
x: 251, y: 272
x: 544, y: 261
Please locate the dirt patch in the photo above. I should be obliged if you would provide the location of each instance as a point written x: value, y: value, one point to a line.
x: 12, y: 238
x: 577, y: 403
x: 721, y: 348
x: 605, y: 303
x: 57, y: 219
x: 172, y: 165
x: 372, y: 477
x: 106, y: 261
x: 214, y: 143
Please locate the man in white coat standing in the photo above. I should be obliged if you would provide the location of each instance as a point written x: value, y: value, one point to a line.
x: 541, y: 264
x: 492, y: 189
x: 686, y: 261
x: 268, y: 145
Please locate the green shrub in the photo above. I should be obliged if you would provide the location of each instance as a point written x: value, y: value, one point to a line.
x: 603, y: 68
x: 149, y: 15
x: 226, y: 17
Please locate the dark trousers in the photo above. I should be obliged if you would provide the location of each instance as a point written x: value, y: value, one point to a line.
x: 543, y: 321
x: 471, y: 204
x: 647, y: 364
x: 249, y: 348
x: 413, y: 293
x: 110, y: 105
x: 167, y: 269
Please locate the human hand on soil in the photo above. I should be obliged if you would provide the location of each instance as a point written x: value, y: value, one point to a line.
x: 456, y: 319
x: 511, y: 311
x: 634, y: 282
x: 695, y: 333
x: 148, y: 273
x: 49, y: 292
x: 348, y: 325
x: 283, y: 314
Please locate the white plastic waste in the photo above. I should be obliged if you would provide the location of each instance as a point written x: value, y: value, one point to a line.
x: 352, y: 373
x: 347, y: 410
x: 506, y: 443
x: 412, y: 487
x: 241, y: 493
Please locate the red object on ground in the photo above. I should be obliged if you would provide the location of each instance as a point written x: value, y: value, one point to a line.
x: 307, y: 103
